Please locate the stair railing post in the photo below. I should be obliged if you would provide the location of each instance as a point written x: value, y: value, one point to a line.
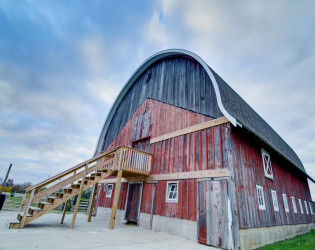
x: 92, y: 202
x: 79, y: 197
x: 23, y: 201
x: 26, y: 208
x: 64, y: 212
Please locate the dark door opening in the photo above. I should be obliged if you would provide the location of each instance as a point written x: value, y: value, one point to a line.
x: 133, y: 202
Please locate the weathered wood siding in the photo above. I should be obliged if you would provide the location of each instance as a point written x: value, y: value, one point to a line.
x: 104, y: 201
x: 249, y: 172
x: 185, y: 208
x: 179, y: 81
x: 200, y: 150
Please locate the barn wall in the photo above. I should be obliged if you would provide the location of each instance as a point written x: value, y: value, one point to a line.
x: 200, y: 150
x: 249, y: 172
x: 179, y: 81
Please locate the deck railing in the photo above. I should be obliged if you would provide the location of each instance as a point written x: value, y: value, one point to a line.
x: 133, y: 160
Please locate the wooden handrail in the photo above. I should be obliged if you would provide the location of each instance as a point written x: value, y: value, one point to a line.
x: 120, y: 159
x: 67, y: 181
x: 69, y: 171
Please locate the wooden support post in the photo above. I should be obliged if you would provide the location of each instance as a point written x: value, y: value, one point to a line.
x: 22, y: 203
x: 115, y: 201
x: 64, y: 212
x: 79, y: 198
x: 92, y: 202
x: 26, y: 208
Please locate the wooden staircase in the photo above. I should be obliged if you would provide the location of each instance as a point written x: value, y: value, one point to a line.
x: 121, y: 162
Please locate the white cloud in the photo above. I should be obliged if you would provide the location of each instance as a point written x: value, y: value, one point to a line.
x: 93, y: 53
x: 105, y: 89
x: 155, y: 31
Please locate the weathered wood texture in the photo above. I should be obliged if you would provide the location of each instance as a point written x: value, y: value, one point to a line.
x: 108, y: 201
x: 249, y: 172
x: 200, y: 150
x: 163, y: 119
x: 178, y: 81
x: 205, y: 149
x: 185, y: 208
x: 214, y: 227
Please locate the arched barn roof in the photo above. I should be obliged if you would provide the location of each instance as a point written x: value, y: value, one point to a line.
x: 233, y: 107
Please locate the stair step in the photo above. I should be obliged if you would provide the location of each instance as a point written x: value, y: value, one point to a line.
x: 75, y: 186
x: 33, y: 210
x: 43, y: 204
x: 102, y: 171
x: 67, y: 190
x: 59, y: 195
x: 14, y: 225
x: 85, y: 182
x: 96, y: 174
x: 51, y: 199
x: 20, y: 216
x: 90, y: 178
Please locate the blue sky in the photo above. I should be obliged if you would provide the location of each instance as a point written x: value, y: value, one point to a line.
x: 62, y: 63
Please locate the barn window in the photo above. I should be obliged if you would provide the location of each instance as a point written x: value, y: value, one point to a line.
x: 300, y: 202
x: 109, y: 190
x: 294, y: 204
x: 260, y: 197
x: 274, y: 200
x: 311, y: 210
x: 267, y: 164
x: 171, y: 192
x: 306, y: 208
x: 285, y: 202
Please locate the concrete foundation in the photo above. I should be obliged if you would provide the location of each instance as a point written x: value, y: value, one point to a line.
x: 256, y: 237
x: 103, y: 213
x: 183, y: 228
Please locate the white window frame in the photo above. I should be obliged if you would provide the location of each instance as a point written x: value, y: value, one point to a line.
x: 285, y: 202
x: 109, y: 194
x: 311, y: 210
x: 294, y: 204
x: 274, y: 200
x: 301, y: 207
x: 267, y: 166
x: 168, y: 190
x: 260, y: 198
x: 306, y: 208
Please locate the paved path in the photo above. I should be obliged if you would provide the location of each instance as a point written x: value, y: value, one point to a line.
x: 47, y: 233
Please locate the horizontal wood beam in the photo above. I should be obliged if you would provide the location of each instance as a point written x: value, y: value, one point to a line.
x: 214, y: 173
x: 191, y: 129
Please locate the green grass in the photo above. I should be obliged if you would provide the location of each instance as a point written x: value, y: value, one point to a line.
x: 303, y: 241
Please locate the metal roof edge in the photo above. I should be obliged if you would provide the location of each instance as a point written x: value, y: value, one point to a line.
x: 147, y: 63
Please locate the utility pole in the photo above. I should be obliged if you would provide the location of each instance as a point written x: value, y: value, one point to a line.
x: 5, y: 179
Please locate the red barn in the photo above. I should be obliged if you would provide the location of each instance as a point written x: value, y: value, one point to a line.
x: 181, y: 152
x: 219, y: 175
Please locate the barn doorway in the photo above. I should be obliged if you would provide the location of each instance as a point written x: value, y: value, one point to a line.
x: 133, y: 202
x: 214, y: 214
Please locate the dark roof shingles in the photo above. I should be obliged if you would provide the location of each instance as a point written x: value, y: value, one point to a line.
x: 240, y: 110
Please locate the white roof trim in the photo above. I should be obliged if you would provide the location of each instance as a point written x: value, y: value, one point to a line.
x: 154, y: 58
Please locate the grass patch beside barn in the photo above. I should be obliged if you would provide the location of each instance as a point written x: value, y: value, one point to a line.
x: 303, y: 241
